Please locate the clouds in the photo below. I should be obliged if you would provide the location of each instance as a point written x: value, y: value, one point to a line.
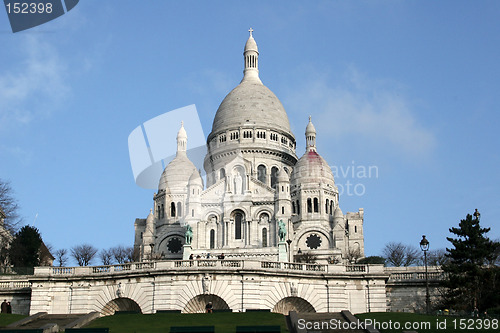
x: 34, y: 85
x: 356, y: 106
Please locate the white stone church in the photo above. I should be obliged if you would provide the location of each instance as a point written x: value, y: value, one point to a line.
x: 254, y: 180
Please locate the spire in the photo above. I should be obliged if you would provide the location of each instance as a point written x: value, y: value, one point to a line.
x: 181, y: 140
x: 251, y: 55
x: 310, y: 136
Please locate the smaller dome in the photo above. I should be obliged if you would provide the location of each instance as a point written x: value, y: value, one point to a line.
x: 182, y: 132
x: 310, y: 129
x: 311, y: 168
x: 338, y: 213
x: 251, y: 45
x: 195, y: 179
x: 177, y: 173
x: 283, y: 176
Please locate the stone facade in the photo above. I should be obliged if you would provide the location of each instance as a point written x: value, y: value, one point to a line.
x: 253, y: 180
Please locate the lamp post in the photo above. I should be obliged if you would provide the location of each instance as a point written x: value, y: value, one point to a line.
x: 424, y: 246
x: 289, y: 241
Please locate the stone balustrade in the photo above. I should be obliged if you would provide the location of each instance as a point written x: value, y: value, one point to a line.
x: 414, y: 273
x: 12, y: 285
x: 226, y: 264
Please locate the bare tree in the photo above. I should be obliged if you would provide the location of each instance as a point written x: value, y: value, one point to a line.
x: 435, y: 258
x: 106, y: 257
x: 83, y: 254
x: 119, y: 253
x: 61, y: 257
x: 398, y: 254
x: 306, y: 258
x: 9, y: 207
x: 131, y: 254
x: 352, y: 255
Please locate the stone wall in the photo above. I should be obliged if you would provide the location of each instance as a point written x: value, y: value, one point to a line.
x: 406, y: 290
x: 232, y: 284
x: 16, y: 289
x: 184, y: 285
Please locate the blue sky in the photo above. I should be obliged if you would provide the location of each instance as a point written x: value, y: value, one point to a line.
x: 409, y: 88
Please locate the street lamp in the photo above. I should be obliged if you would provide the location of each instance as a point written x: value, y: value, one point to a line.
x: 424, y: 246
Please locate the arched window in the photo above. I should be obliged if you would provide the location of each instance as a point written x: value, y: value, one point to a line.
x: 331, y: 207
x: 179, y: 209
x: 293, y: 207
x: 355, y: 228
x: 326, y: 206
x: 298, y: 207
x: 158, y: 212
x: 172, y: 209
x: 309, y: 205
x: 222, y: 173
x: 212, y: 239
x: 264, y: 237
x: 261, y: 173
x: 274, y: 176
x: 238, y: 220
x: 282, y: 209
x: 162, y: 211
x: 192, y: 212
x: 316, y: 205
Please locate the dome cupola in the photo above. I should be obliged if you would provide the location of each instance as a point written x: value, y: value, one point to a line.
x: 311, y: 167
x: 179, y: 171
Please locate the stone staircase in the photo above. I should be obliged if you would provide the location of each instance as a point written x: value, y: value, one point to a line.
x: 53, y: 322
x: 333, y: 322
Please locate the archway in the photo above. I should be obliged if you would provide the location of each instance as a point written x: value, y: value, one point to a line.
x: 198, y: 303
x: 292, y: 303
x: 120, y: 304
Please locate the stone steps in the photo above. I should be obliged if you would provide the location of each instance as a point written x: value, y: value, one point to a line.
x: 53, y: 322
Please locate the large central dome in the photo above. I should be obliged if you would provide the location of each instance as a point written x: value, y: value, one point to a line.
x: 251, y: 103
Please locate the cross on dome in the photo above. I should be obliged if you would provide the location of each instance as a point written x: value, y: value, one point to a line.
x: 250, y: 30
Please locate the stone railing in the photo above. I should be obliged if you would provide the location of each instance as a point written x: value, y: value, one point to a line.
x: 414, y: 273
x: 225, y: 264
x: 10, y: 285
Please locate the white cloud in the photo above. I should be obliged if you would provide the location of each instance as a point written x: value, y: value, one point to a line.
x: 375, y: 110
x: 33, y: 86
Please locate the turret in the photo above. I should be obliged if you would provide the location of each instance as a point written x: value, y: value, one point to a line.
x: 148, y: 237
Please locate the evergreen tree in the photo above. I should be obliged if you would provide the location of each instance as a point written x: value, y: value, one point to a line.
x: 472, y: 280
x: 25, y: 247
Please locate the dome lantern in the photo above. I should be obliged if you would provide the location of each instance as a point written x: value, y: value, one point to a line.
x: 181, y: 140
x: 251, y: 55
x: 310, y: 136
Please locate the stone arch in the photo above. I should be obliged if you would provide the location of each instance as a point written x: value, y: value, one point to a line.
x: 216, y: 212
x: 260, y: 211
x: 293, y: 303
x: 197, y: 304
x: 262, y: 173
x: 120, y: 304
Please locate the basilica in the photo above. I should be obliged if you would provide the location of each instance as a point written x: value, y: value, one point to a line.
x: 254, y: 184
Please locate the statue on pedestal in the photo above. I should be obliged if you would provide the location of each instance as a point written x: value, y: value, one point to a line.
x: 189, y: 234
x: 281, y: 230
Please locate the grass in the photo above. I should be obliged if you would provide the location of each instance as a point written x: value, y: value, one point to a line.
x: 9, y: 318
x: 224, y: 322
x: 447, y: 324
